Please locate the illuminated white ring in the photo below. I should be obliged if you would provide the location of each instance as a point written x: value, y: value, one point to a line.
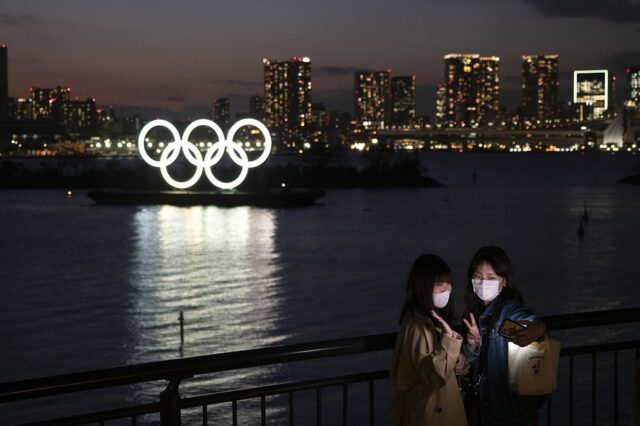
x: 185, y: 140
x: 267, y: 141
x: 186, y: 147
x: 213, y: 155
x: 141, y: 143
x: 230, y: 147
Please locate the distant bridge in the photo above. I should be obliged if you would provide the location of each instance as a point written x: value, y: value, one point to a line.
x: 559, y: 137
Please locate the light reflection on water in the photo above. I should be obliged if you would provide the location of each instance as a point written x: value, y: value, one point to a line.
x: 218, y: 266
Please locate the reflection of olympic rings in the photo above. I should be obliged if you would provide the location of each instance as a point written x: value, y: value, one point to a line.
x: 212, y: 156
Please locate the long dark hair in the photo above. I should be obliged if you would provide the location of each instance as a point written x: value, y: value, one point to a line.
x: 427, y: 270
x: 501, y: 264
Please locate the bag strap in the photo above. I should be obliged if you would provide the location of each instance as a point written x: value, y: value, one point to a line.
x: 482, y: 358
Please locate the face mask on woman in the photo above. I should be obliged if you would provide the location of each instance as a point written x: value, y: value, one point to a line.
x: 440, y: 300
x: 487, y: 290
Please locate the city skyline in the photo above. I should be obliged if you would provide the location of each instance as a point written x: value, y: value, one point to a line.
x: 182, y: 58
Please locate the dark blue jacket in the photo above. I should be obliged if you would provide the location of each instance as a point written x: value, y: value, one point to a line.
x: 504, y: 406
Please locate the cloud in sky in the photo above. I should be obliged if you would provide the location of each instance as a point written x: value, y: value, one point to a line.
x: 615, y: 11
x: 622, y: 60
x: 15, y: 20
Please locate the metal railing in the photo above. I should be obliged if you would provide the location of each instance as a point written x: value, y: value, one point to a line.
x: 170, y: 404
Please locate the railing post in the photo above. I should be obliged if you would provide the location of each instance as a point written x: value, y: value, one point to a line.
x: 170, y: 404
x: 636, y: 402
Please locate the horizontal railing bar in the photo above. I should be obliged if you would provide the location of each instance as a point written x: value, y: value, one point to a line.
x: 283, y: 388
x: 591, y: 319
x: 116, y: 413
x: 189, y: 367
x: 227, y: 396
x: 603, y: 347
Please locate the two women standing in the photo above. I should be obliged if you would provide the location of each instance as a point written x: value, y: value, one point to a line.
x: 429, y: 354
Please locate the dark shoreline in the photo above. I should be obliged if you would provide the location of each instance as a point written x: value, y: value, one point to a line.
x: 631, y: 180
x: 103, y: 173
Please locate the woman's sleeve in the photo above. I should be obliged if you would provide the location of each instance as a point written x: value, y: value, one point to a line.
x: 469, y: 355
x: 521, y: 313
x: 434, y: 364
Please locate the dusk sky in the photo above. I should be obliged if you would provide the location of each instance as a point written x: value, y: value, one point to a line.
x: 174, y: 58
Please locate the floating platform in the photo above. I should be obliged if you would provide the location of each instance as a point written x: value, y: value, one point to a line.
x: 275, y: 198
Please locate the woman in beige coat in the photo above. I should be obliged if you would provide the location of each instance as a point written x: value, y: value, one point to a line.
x: 427, y: 350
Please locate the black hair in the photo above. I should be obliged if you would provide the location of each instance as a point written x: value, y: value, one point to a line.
x: 427, y: 270
x: 501, y: 264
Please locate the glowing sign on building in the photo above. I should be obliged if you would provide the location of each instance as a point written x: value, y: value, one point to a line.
x: 212, y: 155
x: 592, y: 87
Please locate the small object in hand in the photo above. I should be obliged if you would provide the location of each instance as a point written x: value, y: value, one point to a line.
x: 508, y: 327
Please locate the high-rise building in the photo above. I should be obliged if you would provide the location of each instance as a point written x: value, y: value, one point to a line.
x: 539, y: 86
x: 42, y: 101
x: 633, y: 86
x: 591, y: 87
x: 78, y: 117
x: 19, y: 109
x: 256, y: 107
x: 403, y: 100
x: 221, y: 111
x: 441, y: 104
x: 4, y: 84
x: 488, y: 99
x: 287, y: 100
x: 461, y: 75
x: 372, y: 98
x: 472, y: 91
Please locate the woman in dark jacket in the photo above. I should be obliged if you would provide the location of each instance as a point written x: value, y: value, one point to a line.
x: 490, y: 297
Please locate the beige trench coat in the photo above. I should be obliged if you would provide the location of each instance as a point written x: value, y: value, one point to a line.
x: 425, y: 386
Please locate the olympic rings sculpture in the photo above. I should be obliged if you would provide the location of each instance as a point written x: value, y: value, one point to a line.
x: 211, y: 157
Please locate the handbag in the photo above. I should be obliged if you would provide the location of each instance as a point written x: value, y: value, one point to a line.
x: 533, y: 369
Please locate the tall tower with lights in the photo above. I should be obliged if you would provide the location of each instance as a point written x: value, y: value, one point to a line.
x: 287, y: 100
x: 540, y: 87
x: 461, y: 76
x: 372, y: 98
x: 4, y: 84
x: 403, y: 100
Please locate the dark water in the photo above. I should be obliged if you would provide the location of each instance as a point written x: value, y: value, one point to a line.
x: 87, y: 287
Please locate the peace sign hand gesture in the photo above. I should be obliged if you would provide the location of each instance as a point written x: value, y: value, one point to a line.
x: 473, y: 333
x: 445, y: 326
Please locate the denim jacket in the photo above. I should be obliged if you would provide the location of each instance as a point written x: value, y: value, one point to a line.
x: 504, y: 406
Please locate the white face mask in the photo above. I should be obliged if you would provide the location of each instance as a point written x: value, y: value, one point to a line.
x: 440, y: 300
x: 487, y: 290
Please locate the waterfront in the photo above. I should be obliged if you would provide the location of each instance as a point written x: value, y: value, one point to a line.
x: 90, y: 287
